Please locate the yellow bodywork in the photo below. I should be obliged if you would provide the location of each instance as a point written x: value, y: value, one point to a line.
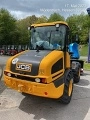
x: 49, y: 24
x: 47, y: 89
x: 38, y: 89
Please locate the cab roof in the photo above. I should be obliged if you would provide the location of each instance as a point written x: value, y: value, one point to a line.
x: 49, y: 24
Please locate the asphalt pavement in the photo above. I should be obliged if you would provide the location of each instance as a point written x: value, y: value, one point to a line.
x: 17, y: 106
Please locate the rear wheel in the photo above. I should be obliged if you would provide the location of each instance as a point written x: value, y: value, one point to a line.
x: 68, y: 87
x: 77, y: 76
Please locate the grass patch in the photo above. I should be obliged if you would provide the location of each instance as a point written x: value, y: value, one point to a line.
x: 83, y: 50
x: 86, y: 66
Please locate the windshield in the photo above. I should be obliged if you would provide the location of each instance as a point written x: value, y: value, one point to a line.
x: 48, y: 37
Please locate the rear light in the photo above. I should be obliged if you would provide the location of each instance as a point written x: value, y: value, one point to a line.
x: 40, y: 80
x: 81, y: 70
x: 7, y: 73
x: 45, y: 93
x: 43, y: 80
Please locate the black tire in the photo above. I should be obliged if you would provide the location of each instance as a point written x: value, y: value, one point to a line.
x: 68, y: 79
x: 76, y: 76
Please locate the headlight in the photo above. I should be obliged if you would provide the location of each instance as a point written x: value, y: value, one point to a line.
x: 9, y: 74
x: 37, y: 80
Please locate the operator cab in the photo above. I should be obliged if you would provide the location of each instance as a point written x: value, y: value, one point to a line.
x: 48, y: 37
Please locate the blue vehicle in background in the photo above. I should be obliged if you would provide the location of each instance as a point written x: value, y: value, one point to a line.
x: 75, y: 55
x: 73, y: 48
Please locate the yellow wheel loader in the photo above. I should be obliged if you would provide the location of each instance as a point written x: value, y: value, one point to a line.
x: 45, y: 69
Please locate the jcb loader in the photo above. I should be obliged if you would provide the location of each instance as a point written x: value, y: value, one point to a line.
x: 45, y: 69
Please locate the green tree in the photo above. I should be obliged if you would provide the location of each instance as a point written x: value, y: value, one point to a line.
x: 7, y: 27
x: 78, y: 26
x: 42, y: 19
x: 56, y: 17
x: 22, y: 26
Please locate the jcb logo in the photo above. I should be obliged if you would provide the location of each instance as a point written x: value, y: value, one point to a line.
x: 23, y: 67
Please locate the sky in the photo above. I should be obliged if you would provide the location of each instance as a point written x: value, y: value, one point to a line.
x: 22, y: 8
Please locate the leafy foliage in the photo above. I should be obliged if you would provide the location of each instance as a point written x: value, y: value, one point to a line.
x: 42, y: 19
x: 79, y: 25
x: 55, y: 17
x: 14, y: 31
x: 7, y: 27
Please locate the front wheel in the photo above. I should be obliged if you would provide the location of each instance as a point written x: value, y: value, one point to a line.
x: 68, y: 87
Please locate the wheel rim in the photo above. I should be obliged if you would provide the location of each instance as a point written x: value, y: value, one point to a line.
x: 70, y: 88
